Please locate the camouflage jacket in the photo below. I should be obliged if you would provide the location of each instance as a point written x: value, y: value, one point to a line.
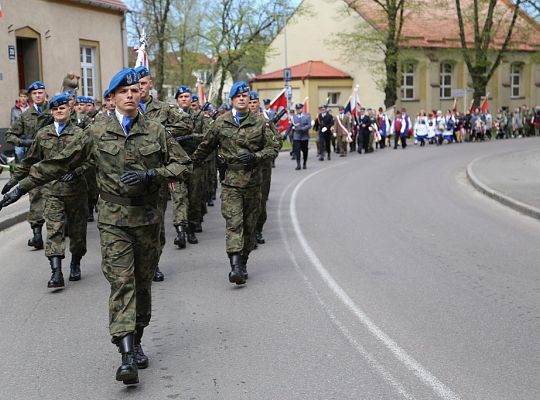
x: 254, y: 135
x: 174, y: 121
x: 101, y: 117
x: 47, y: 144
x: 199, y: 125
x: 81, y: 120
x: 28, y: 124
x: 148, y: 146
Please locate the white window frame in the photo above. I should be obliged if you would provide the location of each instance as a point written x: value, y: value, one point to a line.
x: 405, y: 87
x: 516, y: 77
x: 443, y: 85
x: 330, y: 96
x: 88, y: 70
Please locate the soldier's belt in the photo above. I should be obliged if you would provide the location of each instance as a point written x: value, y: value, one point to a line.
x: 240, y: 167
x: 130, y: 201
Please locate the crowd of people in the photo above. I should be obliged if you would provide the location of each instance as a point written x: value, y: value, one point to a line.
x: 368, y: 129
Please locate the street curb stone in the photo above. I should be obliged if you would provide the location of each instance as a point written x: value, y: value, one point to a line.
x: 15, y: 219
x: 517, y: 205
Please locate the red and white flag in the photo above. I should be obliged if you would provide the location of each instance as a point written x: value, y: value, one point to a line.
x: 142, y: 56
x: 1, y: 12
x: 200, y: 91
x: 454, y: 107
x: 484, y: 106
x: 306, y: 108
x: 279, y: 103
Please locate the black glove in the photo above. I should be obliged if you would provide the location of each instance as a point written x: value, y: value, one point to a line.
x: 138, y: 177
x: 246, y: 158
x: 68, y: 177
x: 12, y: 196
x: 9, y: 185
x: 25, y: 142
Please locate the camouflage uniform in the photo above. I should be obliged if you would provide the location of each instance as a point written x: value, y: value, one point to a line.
x: 27, y: 126
x: 266, y: 179
x: 129, y: 216
x: 241, y: 186
x: 187, y: 200
x: 176, y: 124
x: 64, y: 201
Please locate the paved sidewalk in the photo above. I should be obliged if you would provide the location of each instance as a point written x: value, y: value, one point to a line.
x: 510, y: 178
x: 15, y: 213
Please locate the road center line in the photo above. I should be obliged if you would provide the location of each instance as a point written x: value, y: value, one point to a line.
x: 408, y: 361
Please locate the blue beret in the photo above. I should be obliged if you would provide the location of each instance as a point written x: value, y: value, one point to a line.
x: 125, y: 77
x: 238, y: 88
x: 58, y: 100
x: 80, y: 99
x: 182, y: 89
x: 35, y: 86
x: 90, y: 100
x: 70, y: 93
x: 253, y: 95
x: 142, y: 71
x: 299, y: 106
x: 194, y: 98
x: 106, y: 94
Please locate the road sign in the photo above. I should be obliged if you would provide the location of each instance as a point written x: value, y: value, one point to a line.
x: 287, y: 74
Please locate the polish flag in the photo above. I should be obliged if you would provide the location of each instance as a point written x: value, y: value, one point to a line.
x: 306, y: 108
x: 200, y: 91
x: 279, y: 103
x: 1, y: 12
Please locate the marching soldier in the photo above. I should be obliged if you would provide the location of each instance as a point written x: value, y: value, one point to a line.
x: 265, y: 166
x: 173, y: 121
x: 190, y: 208
x: 134, y: 157
x: 244, y: 141
x: 65, y: 198
x: 22, y: 134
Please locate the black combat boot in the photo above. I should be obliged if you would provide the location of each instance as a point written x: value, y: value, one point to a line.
x: 191, y: 237
x: 158, y: 275
x: 128, y: 371
x: 75, y: 268
x: 198, y: 227
x: 57, y: 279
x: 37, y: 239
x: 140, y: 357
x: 297, y: 163
x: 259, y: 237
x: 305, y: 164
x: 243, y: 263
x: 237, y: 274
x: 180, y: 239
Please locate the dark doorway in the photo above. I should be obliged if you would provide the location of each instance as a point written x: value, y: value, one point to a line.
x: 27, y: 61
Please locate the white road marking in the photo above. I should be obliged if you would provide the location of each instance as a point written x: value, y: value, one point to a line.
x: 409, y: 362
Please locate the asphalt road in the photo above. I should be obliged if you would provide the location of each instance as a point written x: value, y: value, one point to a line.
x: 384, y: 276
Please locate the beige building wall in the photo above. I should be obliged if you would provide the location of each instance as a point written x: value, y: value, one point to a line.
x: 308, y: 38
x: 61, y: 27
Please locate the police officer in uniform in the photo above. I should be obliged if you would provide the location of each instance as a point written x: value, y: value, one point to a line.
x: 65, y: 198
x: 244, y: 141
x: 134, y: 157
x: 21, y: 134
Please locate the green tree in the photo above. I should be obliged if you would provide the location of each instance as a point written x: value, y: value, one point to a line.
x: 487, y: 20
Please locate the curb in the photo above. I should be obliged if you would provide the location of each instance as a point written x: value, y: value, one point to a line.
x: 13, y: 220
x: 517, y: 205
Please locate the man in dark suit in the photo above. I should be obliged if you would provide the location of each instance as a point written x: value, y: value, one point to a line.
x: 364, y: 122
x: 322, y: 126
x: 300, y: 125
